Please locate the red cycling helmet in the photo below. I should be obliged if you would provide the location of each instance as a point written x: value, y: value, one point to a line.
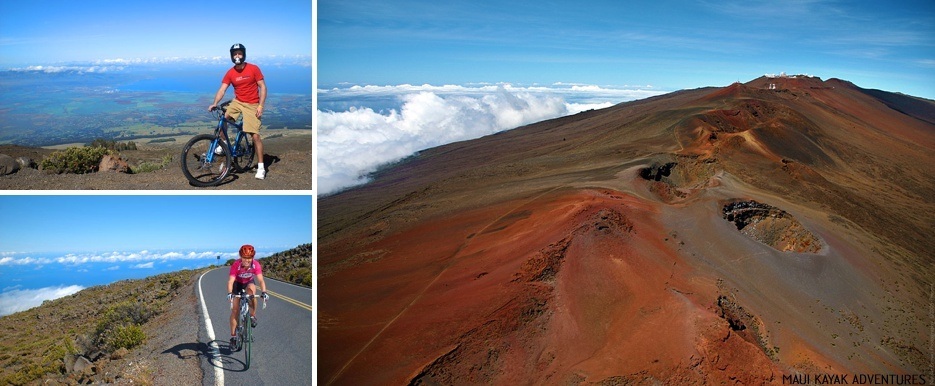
x: 247, y: 251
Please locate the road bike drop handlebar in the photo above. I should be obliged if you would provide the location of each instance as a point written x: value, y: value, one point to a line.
x: 248, y: 297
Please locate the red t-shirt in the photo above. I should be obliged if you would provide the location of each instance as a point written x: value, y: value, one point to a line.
x: 244, y: 82
x: 245, y: 274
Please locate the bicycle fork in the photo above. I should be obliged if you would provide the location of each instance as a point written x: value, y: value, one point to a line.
x: 209, y: 158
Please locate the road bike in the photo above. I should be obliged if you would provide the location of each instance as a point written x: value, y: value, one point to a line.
x: 207, y: 159
x: 244, y: 332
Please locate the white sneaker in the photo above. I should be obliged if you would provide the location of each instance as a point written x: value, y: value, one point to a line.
x: 260, y: 174
x: 218, y: 150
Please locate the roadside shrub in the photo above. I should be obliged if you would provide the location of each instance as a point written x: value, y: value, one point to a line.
x: 127, y: 337
x: 77, y: 160
x: 126, y: 313
x: 302, y: 276
x: 173, y: 281
x: 120, y: 326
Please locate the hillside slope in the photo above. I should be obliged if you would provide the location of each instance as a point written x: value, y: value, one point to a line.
x: 293, y: 265
x: 743, y: 233
x: 46, y: 344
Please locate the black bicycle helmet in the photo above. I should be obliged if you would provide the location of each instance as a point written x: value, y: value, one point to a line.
x: 241, y: 48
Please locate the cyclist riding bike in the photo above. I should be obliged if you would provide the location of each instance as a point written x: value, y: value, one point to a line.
x: 249, y: 97
x: 244, y: 274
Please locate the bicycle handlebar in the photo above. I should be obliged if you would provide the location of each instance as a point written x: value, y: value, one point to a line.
x: 222, y: 106
x: 248, y: 297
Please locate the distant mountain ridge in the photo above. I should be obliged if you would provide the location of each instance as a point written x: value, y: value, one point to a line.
x: 599, y: 247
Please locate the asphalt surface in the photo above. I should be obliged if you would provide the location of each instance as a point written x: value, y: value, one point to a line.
x: 282, y: 347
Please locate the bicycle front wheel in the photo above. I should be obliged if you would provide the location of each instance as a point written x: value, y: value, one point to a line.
x: 205, y: 160
x: 243, y: 152
x: 248, y: 340
x: 238, y: 343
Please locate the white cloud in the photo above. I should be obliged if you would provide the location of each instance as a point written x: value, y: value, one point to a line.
x: 72, y: 68
x: 353, y: 143
x: 111, y: 257
x: 27, y: 260
x: 17, y: 300
x: 121, y: 64
x: 143, y: 265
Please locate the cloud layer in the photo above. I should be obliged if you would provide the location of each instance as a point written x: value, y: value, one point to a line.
x: 354, y: 142
x: 143, y: 258
x: 16, y: 300
x: 121, y: 64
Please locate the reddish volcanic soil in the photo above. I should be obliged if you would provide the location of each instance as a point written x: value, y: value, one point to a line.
x: 731, y: 235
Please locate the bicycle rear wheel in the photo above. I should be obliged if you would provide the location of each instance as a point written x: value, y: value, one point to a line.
x: 243, y: 153
x: 205, y: 160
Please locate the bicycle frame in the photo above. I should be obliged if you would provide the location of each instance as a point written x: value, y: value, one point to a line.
x: 244, y: 330
x: 220, y: 131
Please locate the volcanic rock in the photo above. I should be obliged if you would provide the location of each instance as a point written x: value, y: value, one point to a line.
x: 113, y: 163
x: 83, y: 365
x: 26, y: 163
x: 8, y: 165
x: 771, y: 226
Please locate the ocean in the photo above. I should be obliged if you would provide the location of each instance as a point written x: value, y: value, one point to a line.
x: 42, y: 106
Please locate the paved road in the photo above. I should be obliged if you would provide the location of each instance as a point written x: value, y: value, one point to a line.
x: 282, y: 347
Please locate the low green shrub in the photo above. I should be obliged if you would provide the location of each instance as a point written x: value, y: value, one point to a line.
x: 302, y: 276
x: 146, y: 167
x: 77, y: 160
x: 112, y: 145
x: 120, y: 326
x: 128, y: 336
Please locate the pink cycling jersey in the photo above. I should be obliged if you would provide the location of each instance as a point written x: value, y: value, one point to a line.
x: 245, y: 274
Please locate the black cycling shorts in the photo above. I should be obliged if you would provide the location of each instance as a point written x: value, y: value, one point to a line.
x: 238, y: 286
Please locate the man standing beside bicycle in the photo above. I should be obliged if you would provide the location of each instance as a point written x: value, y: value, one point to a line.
x: 244, y: 275
x: 249, y: 97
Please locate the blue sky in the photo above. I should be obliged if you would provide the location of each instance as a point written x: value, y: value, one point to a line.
x: 668, y: 44
x: 48, y: 32
x: 86, y: 223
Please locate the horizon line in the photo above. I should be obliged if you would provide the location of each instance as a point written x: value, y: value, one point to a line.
x: 290, y: 59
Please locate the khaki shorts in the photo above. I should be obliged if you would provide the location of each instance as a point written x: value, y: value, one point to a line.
x: 251, y: 124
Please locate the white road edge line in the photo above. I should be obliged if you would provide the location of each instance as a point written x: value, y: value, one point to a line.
x: 214, y: 351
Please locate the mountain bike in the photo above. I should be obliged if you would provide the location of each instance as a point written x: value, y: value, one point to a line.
x: 207, y: 159
x: 244, y: 330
